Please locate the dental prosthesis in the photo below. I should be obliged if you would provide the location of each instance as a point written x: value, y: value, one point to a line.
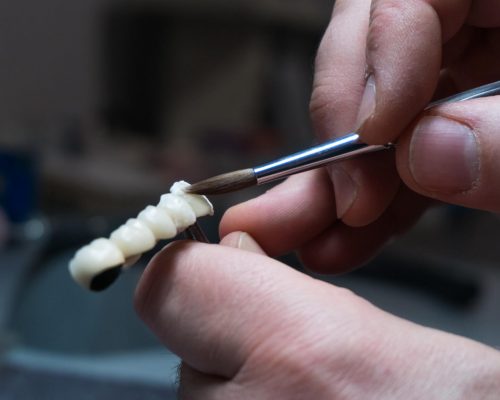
x: 98, y: 264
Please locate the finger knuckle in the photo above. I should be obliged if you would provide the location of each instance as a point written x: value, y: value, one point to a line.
x: 329, y: 101
x: 382, y: 15
x: 321, y: 103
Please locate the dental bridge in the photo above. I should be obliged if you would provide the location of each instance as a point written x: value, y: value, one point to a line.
x: 97, y: 265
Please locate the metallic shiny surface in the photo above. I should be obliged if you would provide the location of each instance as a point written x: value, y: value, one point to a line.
x: 348, y: 146
x: 194, y: 232
x: 491, y: 89
x: 335, y: 150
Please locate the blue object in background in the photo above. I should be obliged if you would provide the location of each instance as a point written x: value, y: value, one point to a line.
x: 18, y: 185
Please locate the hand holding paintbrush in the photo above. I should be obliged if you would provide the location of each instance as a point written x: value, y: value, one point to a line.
x: 335, y: 150
x: 247, y: 326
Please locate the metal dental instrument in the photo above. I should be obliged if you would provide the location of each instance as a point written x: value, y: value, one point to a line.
x: 335, y: 150
x: 194, y: 232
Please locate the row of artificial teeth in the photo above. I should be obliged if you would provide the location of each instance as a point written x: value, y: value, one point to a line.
x: 175, y: 212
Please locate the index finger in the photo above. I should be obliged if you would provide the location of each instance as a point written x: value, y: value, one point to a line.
x: 289, y: 215
x: 403, y: 57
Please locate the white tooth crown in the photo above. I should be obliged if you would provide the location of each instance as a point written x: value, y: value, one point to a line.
x: 179, y: 209
x: 94, y: 258
x: 199, y: 204
x: 175, y: 212
x: 159, y: 221
x: 133, y: 238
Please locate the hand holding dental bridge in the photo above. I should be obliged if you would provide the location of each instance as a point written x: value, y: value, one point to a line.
x: 249, y: 327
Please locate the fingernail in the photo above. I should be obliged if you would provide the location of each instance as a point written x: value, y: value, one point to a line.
x: 345, y: 190
x: 246, y: 242
x: 367, y: 106
x: 444, y: 155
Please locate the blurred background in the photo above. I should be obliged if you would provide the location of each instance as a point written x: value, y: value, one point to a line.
x: 103, y: 104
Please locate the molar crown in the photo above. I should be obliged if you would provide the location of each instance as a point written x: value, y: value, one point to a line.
x: 134, y: 237
x: 98, y: 256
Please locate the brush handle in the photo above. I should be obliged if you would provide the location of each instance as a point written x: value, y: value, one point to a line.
x: 348, y: 146
x: 332, y: 151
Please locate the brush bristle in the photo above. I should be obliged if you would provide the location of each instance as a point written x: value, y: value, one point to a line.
x: 224, y: 183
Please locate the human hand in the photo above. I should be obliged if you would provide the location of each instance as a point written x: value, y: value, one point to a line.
x: 397, y: 56
x: 249, y: 327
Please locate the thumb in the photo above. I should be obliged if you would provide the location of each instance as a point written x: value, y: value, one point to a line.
x: 242, y: 241
x: 214, y: 305
x: 452, y: 154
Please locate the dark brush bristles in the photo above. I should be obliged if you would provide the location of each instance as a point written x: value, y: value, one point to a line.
x: 224, y: 183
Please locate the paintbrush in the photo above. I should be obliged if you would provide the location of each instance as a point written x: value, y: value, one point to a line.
x: 335, y: 150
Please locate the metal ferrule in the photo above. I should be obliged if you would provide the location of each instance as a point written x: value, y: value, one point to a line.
x: 325, y: 153
x: 491, y: 89
x: 347, y: 146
